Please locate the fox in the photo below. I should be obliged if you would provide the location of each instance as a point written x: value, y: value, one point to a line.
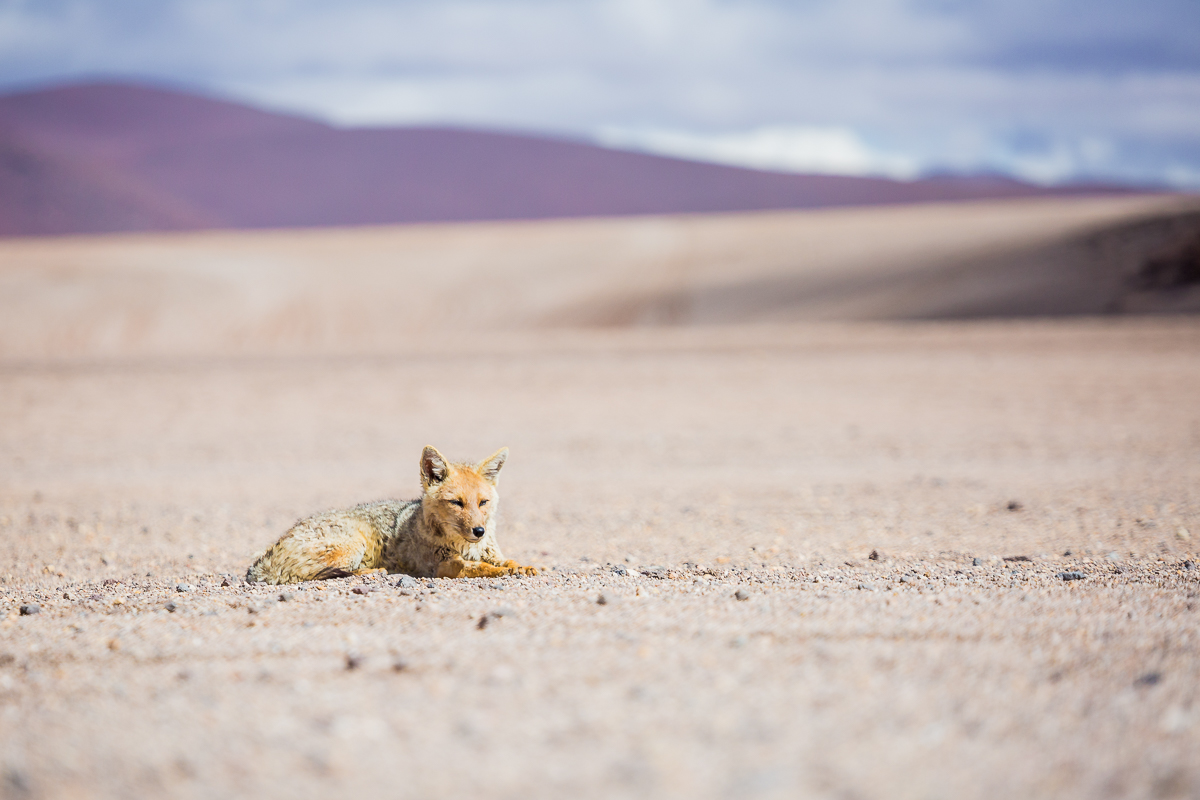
x: 448, y: 532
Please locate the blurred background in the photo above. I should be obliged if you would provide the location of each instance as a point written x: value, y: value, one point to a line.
x: 1102, y: 93
x: 1044, y: 91
x: 1079, y: 119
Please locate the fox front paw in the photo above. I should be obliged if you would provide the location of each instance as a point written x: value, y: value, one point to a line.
x: 516, y: 569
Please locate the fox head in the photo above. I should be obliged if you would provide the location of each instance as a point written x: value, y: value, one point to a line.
x: 460, y: 500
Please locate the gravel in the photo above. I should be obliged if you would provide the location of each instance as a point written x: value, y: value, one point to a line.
x: 984, y: 684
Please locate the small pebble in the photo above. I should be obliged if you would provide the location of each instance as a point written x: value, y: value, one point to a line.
x: 1014, y: 505
x: 30, y: 609
x: 866, y: 587
x: 483, y: 622
x: 357, y: 590
x: 353, y: 661
x: 601, y: 600
x: 1189, y: 565
x: 183, y: 587
x: 977, y: 562
x: 226, y: 583
x: 741, y: 594
x: 1071, y: 576
x: 286, y: 597
x: 875, y: 556
x: 406, y: 582
x: 171, y: 607
x: 1149, y: 679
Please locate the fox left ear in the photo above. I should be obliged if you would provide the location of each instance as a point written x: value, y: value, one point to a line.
x: 490, y: 468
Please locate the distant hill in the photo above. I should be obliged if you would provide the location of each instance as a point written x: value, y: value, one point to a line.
x: 114, y: 157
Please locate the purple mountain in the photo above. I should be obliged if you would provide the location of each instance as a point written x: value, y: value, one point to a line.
x: 113, y: 157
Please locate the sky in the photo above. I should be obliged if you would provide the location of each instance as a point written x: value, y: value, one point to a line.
x: 1050, y: 91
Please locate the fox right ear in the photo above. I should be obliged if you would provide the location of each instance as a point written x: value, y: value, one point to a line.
x: 433, y: 467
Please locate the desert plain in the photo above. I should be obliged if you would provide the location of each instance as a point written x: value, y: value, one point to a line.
x: 868, y: 503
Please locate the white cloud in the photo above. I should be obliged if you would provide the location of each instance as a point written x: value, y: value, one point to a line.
x: 834, y: 151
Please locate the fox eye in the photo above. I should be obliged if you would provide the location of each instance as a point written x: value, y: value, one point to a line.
x: 458, y: 503
x: 482, y: 503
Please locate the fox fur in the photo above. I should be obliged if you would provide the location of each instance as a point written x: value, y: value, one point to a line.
x: 449, y: 532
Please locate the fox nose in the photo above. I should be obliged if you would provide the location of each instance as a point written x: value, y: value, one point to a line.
x: 478, y: 531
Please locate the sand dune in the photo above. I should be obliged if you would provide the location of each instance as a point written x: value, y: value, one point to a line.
x: 361, y: 290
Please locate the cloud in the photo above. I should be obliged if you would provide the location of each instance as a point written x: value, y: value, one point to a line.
x: 876, y: 85
x: 834, y: 151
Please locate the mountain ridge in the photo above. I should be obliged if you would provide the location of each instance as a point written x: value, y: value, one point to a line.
x: 113, y: 157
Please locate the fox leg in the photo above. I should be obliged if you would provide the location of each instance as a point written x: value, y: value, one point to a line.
x: 369, y: 571
x: 457, y: 567
x: 517, y: 569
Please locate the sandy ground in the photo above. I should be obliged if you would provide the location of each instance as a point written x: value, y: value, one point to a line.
x: 722, y: 488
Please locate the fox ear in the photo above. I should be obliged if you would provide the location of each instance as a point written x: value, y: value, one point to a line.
x: 433, y: 467
x: 490, y: 469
